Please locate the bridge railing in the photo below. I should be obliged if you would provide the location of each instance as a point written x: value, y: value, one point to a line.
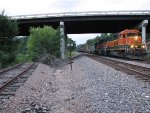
x: 88, y: 13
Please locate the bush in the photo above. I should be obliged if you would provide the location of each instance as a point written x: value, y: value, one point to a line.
x: 22, y: 58
x: 5, y: 59
x: 43, y: 43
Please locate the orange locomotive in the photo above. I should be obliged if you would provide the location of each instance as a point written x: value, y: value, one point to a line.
x: 127, y: 42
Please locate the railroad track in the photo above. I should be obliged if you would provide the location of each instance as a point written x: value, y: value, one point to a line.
x: 12, y: 78
x: 9, y: 68
x: 142, y: 73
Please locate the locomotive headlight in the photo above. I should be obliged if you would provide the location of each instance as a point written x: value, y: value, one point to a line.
x: 143, y: 46
x: 132, y: 46
x: 136, y: 38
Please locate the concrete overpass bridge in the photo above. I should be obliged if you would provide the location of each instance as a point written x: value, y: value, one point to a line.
x: 87, y: 22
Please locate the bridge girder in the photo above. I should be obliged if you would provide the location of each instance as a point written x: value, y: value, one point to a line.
x: 84, y: 24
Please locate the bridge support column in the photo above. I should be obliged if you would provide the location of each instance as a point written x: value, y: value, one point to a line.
x: 143, y: 34
x: 62, y: 41
x: 143, y: 25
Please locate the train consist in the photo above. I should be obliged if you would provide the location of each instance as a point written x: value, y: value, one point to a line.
x: 128, y: 43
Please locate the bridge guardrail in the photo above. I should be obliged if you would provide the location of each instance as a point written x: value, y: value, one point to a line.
x: 88, y: 13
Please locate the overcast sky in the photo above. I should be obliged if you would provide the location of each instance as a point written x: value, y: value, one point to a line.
x: 24, y: 7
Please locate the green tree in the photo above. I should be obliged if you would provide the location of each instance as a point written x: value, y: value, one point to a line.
x: 8, y: 31
x: 22, y: 44
x: 90, y: 41
x: 70, y: 41
x: 44, y: 43
x: 80, y: 47
x: 21, y: 52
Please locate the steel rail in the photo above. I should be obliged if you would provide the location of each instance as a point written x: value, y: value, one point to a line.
x: 16, y: 77
x: 86, y: 13
x: 128, y: 64
x: 126, y: 67
x: 8, y: 69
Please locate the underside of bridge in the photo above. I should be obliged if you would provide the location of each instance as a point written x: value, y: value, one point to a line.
x: 90, y: 24
x: 105, y: 26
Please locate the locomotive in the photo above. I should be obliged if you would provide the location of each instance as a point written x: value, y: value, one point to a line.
x: 127, y: 44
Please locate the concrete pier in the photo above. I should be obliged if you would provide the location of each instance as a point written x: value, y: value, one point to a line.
x: 142, y: 26
x: 62, y: 42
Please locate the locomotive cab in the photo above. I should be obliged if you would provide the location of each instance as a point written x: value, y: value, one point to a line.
x: 132, y: 41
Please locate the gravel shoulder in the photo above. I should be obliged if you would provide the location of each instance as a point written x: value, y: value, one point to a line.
x: 91, y: 87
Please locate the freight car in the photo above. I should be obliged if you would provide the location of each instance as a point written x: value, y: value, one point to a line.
x: 128, y: 43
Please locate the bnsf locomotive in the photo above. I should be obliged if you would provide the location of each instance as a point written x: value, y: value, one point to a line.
x: 128, y: 42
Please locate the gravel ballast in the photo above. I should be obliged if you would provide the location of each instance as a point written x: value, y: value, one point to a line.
x: 131, y: 62
x: 91, y: 87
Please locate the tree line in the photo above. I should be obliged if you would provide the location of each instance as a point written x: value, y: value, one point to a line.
x: 8, y: 31
x: 42, y: 44
x: 103, y: 36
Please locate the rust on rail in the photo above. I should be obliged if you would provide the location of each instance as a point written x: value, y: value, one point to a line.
x: 16, y: 77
